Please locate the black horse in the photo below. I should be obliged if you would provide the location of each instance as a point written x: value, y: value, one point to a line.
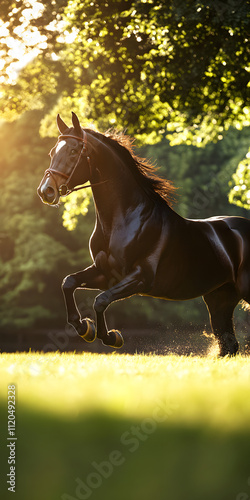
x: 139, y: 244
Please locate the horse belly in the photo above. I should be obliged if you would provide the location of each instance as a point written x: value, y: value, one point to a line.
x: 185, y: 283
x: 196, y: 265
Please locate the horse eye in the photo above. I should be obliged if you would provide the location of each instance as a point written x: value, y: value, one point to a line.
x: 73, y: 151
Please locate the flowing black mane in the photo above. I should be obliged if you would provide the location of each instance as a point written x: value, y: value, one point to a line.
x: 156, y: 187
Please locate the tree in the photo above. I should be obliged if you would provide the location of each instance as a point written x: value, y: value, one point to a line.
x: 202, y: 175
x: 156, y: 68
x: 175, y: 69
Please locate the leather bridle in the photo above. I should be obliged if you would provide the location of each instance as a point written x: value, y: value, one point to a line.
x: 64, y: 189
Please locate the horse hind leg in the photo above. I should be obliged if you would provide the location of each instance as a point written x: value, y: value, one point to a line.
x: 221, y: 304
x: 243, y: 285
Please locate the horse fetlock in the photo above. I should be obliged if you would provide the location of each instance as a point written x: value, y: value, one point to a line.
x: 74, y: 321
x: 228, y: 345
x: 90, y: 330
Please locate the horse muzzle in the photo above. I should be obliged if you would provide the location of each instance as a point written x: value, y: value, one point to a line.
x: 48, y: 193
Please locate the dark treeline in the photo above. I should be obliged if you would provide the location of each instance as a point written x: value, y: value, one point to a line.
x: 36, y: 251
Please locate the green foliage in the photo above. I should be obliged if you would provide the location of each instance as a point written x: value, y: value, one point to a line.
x: 203, y: 176
x: 175, y: 68
x: 172, y: 69
x: 76, y: 204
x: 240, y: 193
x: 66, y: 103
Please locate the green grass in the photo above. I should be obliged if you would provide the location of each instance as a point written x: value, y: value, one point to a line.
x: 128, y: 427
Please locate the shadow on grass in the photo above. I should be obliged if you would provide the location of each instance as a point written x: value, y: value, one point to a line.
x: 101, y: 456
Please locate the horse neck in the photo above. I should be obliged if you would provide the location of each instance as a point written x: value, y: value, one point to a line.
x: 118, y: 195
x: 115, y: 189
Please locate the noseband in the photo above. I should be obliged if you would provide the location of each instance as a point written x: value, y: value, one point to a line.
x: 64, y: 188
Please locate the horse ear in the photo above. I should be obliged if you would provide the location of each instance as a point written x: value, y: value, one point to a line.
x: 76, y: 124
x: 62, y: 127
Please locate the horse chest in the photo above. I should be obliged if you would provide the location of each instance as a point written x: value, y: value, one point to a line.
x: 116, y: 258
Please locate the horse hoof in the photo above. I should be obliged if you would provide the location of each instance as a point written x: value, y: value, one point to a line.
x: 90, y: 334
x: 229, y: 350
x: 115, y: 339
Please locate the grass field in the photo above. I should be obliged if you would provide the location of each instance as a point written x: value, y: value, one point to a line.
x: 109, y: 427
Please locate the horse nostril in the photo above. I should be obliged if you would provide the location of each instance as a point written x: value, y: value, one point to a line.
x: 49, y: 192
x: 49, y: 195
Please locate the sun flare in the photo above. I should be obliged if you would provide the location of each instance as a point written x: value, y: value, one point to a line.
x: 23, y: 50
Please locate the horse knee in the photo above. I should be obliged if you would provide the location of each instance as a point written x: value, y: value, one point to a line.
x: 102, y: 301
x: 69, y: 283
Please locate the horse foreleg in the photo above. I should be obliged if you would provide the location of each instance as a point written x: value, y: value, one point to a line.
x: 88, y: 278
x: 130, y: 285
x: 221, y: 304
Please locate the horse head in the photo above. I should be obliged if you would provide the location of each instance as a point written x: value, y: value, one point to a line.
x: 70, y: 165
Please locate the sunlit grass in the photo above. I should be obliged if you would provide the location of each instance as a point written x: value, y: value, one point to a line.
x: 211, y: 390
x: 181, y: 426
